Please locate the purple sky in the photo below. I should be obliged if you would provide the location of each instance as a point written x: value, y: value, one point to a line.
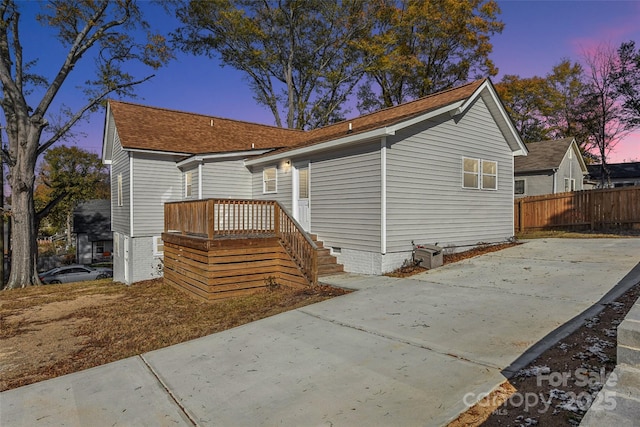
x: 537, y: 35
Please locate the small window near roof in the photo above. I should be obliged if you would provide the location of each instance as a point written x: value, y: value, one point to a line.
x: 270, y: 180
x: 518, y: 187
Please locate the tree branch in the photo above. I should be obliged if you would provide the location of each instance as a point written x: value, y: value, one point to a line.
x: 43, y: 147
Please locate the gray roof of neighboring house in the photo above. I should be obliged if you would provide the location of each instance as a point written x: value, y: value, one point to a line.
x: 543, y: 155
x: 93, y: 218
x: 616, y: 170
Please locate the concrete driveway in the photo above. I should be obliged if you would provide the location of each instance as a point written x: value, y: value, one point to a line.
x: 403, y: 352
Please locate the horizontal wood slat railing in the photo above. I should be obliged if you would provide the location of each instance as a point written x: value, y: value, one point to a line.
x: 218, y: 218
x: 589, y: 209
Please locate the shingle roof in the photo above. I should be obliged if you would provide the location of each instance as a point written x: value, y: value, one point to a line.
x: 543, y: 155
x: 616, y: 170
x: 158, y: 129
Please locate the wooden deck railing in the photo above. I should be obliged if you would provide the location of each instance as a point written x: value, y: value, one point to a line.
x: 223, y: 218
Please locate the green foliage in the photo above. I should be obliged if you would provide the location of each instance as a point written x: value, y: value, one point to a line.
x: 69, y: 175
x: 549, y: 107
x: 299, y: 56
x: 420, y: 47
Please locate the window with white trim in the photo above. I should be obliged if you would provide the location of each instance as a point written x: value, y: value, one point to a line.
x: 120, y: 201
x: 519, y: 186
x: 479, y: 174
x: 471, y: 173
x: 270, y: 180
x: 158, y: 246
x: 188, y: 184
x: 569, y: 185
x: 489, y: 175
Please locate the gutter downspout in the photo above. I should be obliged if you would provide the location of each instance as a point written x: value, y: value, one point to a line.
x: 200, y: 181
x: 555, y: 183
x: 383, y: 195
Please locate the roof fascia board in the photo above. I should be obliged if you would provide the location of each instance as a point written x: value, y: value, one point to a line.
x: 576, y: 149
x: 168, y: 153
x: 106, y: 159
x: 374, y: 134
x: 450, y: 108
x: 198, y: 158
x: 334, y: 143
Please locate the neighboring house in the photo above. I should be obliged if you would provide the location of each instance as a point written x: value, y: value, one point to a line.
x: 620, y: 175
x: 92, y: 227
x: 438, y: 169
x: 550, y: 167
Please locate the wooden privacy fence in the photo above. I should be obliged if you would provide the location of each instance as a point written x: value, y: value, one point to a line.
x: 590, y: 209
x: 222, y: 219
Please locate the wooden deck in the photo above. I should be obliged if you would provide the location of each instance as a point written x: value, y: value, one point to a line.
x: 220, y: 248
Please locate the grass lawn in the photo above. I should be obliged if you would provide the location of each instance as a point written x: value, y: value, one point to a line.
x: 53, y: 330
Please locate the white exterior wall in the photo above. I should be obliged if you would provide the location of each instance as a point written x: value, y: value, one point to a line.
x: 345, y: 199
x: 284, y: 185
x: 228, y: 179
x: 145, y: 265
x: 425, y: 199
x: 538, y: 183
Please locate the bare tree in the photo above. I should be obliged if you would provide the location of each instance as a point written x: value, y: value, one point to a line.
x: 602, y: 115
x: 104, y: 27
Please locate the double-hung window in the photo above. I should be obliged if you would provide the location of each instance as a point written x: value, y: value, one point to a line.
x: 569, y: 184
x: 188, y: 184
x: 270, y: 180
x: 120, y: 201
x: 479, y: 174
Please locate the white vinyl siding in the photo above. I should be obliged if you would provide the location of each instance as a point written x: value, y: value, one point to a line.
x: 156, y: 181
x: 426, y: 202
x: 285, y: 191
x: 346, y: 198
x: 120, y: 204
x: 228, y: 179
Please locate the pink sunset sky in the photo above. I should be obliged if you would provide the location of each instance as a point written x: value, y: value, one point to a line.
x: 537, y: 36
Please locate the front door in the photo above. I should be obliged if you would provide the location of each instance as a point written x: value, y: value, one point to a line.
x: 302, y: 211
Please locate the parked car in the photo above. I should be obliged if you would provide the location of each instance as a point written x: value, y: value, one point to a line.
x: 74, y: 273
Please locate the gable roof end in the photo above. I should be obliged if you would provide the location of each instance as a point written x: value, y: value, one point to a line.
x: 548, y: 155
x: 390, y: 120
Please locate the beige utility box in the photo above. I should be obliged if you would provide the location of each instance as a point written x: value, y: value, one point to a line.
x: 428, y: 256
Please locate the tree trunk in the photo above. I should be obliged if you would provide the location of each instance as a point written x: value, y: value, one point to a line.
x: 24, y: 259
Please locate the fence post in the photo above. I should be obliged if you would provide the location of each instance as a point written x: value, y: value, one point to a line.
x: 592, y: 211
x: 210, y: 215
x: 276, y: 218
x: 520, y: 216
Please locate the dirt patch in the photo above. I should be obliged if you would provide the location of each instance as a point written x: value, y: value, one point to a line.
x: 409, y: 269
x: 558, y: 387
x: 49, y: 331
x: 39, y: 335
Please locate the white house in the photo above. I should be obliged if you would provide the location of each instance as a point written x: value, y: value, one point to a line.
x: 437, y: 169
x: 550, y: 167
